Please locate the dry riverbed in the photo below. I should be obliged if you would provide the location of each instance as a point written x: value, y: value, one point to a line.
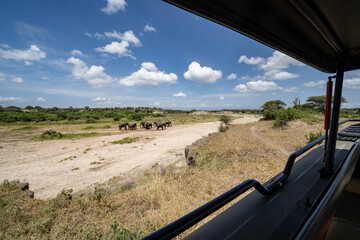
x: 53, y: 165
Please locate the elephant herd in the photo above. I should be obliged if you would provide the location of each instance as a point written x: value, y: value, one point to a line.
x: 146, y: 125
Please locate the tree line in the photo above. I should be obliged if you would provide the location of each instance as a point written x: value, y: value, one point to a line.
x: 89, y: 115
x: 275, y: 110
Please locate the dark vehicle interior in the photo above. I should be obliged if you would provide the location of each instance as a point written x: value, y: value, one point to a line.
x: 317, y: 196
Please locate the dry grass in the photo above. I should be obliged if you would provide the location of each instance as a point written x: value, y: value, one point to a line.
x: 131, y: 210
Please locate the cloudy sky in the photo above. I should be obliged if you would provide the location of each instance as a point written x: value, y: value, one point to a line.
x: 118, y: 53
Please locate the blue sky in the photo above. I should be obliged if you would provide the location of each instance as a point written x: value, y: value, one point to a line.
x: 119, y: 53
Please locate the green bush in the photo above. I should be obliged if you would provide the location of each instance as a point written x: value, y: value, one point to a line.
x: 272, y: 108
x: 313, y: 136
x: 135, y: 117
x: 50, y: 134
x: 270, y: 114
x: 286, y: 115
x: 225, y: 119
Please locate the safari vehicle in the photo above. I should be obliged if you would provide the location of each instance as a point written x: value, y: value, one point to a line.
x: 316, y: 197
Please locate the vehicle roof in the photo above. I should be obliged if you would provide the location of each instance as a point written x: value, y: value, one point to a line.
x: 319, y: 33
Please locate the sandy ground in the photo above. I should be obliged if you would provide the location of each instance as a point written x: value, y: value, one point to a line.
x: 49, y: 166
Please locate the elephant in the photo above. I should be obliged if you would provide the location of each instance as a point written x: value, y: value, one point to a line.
x: 168, y: 123
x: 160, y: 125
x: 123, y: 125
x: 142, y: 124
x: 132, y: 126
x: 148, y: 125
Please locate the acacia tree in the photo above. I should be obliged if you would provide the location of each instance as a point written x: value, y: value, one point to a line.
x: 320, y: 101
x: 271, y: 109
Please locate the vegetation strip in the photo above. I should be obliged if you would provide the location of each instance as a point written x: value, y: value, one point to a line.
x: 52, y: 135
x: 126, y: 140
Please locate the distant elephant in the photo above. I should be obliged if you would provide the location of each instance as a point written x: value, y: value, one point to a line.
x: 148, y: 125
x: 123, y: 125
x: 168, y: 123
x: 132, y: 126
x: 142, y: 124
x: 160, y: 125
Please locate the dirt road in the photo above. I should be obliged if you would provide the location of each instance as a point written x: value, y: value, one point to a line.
x: 53, y: 165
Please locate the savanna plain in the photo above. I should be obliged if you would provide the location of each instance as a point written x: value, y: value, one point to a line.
x: 99, y: 182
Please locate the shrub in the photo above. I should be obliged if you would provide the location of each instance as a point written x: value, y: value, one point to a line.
x: 135, y: 117
x: 270, y: 114
x: 50, y: 134
x: 313, y: 136
x: 225, y: 119
x: 223, y: 128
x: 286, y: 115
x: 272, y: 108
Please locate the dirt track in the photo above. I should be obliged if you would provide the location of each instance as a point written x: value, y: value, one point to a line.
x: 50, y: 166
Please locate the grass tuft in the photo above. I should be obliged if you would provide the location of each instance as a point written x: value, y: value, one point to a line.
x: 70, y: 136
x: 126, y: 140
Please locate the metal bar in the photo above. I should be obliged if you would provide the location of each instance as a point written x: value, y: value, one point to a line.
x: 180, y: 225
x: 329, y: 162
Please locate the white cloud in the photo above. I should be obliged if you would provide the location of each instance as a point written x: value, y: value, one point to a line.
x: 27, y: 63
x: 276, y: 74
x: 351, y: 84
x: 180, y: 94
x: 17, y: 80
x: 45, y: 78
x: 127, y: 36
x: 148, y: 76
x: 251, y: 61
x: 94, y: 75
x: 76, y: 52
x: 40, y: 99
x: 273, y: 66
x: 2, y: 77
x: 32, y: 54
x: 11, y: 99
x: 221, y: 98
x: 232, y: 76
x: 113, y: 6
x: 257, y: 86
x: 200, y: 74
x: 149, y: 66
x: 319, y: 84
x: 149, y: 28
x: 279, y: 60
x: 120, y: 48
x: 97, y: 99
x: 241, y: 88
x: 292, y: 89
